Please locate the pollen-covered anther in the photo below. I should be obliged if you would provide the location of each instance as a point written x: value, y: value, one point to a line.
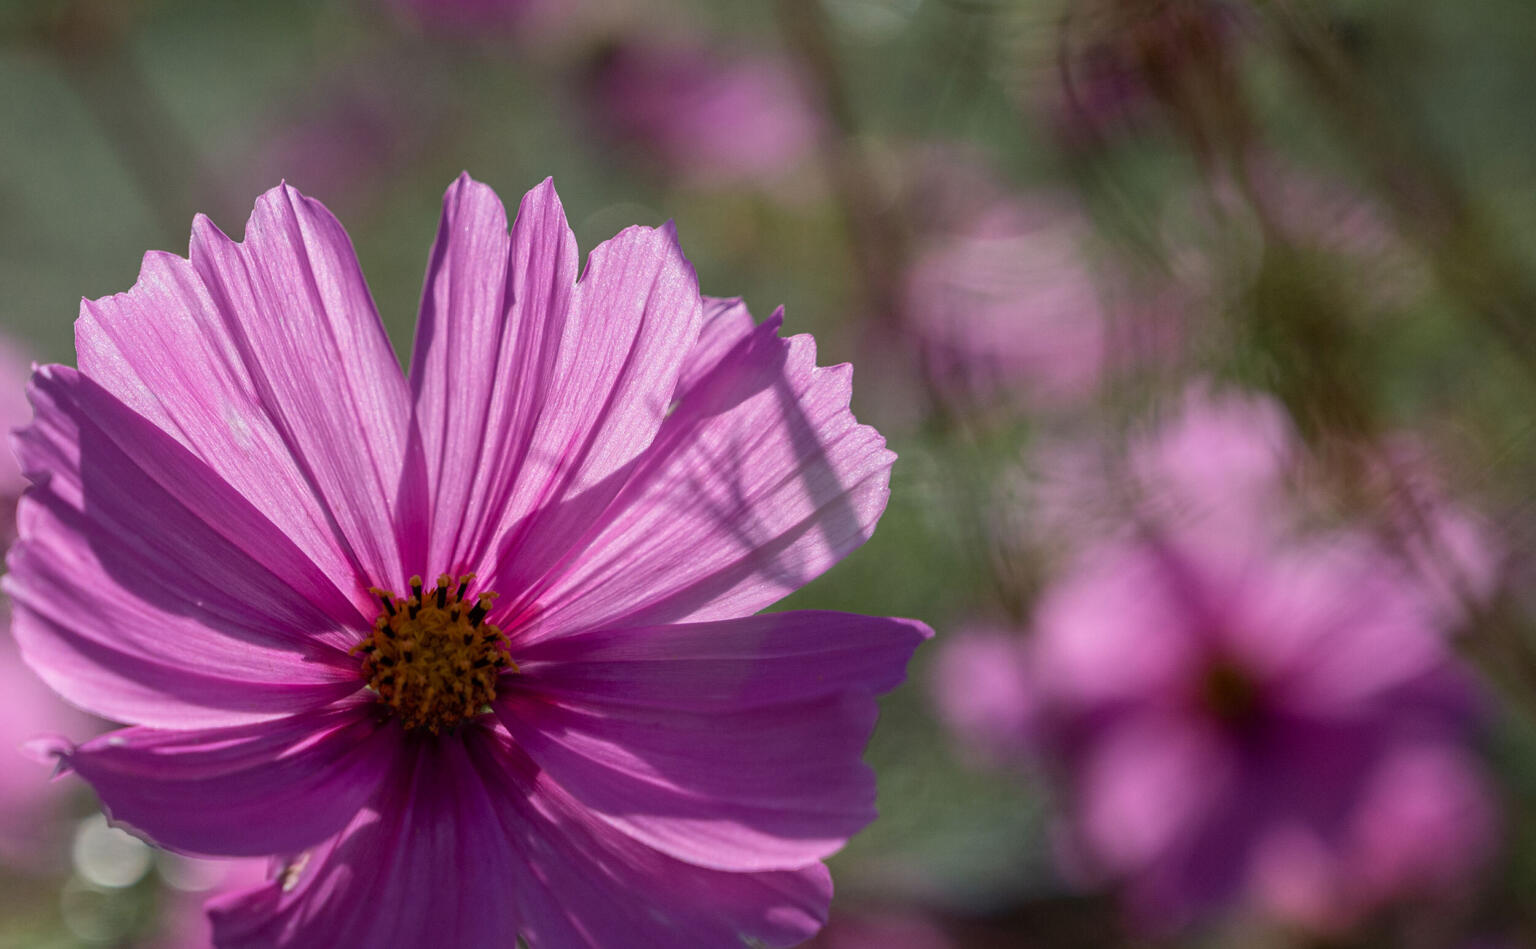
x: 432, y: 658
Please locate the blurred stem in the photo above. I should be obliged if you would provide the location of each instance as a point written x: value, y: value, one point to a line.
x: 877, y: 244
x: 87, y: 42
x: 1422, y: 194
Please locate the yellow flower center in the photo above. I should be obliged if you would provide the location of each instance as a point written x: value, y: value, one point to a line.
x: 432, y: 658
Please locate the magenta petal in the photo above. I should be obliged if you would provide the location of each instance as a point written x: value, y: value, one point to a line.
x: 759, y: 481
x: 579, y: 883
x: 533, y: 388
x: 600, y: 398
x: 268, y: 361
x: 147, y: 590
x: 732, y: 744
x: 772, y: 659
x: 425, y: 864
x: 254, y: 790
x: 727, y: 323
x: 467, y: 847
x: 493, y: 318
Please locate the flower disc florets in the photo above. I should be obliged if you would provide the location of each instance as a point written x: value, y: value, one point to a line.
x: 432, y: 658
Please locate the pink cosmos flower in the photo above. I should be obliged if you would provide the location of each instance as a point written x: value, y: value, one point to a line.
x: 712, y: 119
x: 1241, y: 719
x: 574, y: 730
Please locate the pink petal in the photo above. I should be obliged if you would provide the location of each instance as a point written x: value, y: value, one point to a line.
x: 272, y: 787
x: 268, y: 361
x: 147, y: 590
x: 1146, y: 788
x: 467, y: 846
x: 545, y: 386
x: 425, y: 864
x: 580, y: 883
x: 733, y: 745
x: 771, y: 659
x: 758, y: 481
x: 493, y: 315
x: 727, y: 323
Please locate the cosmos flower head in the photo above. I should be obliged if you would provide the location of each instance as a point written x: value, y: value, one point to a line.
x: 1274, y: 725
x: 1242, y: 708
x: 470, y: 651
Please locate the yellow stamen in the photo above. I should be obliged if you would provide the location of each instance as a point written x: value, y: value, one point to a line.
x: 432, y: 658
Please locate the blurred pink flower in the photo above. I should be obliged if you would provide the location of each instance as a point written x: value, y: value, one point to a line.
x: 982, y: 690
x: 230, y: 499
x: 1240, y: 717
x: 14, y: 413
x: 710, y: 117
x: 1231, y: 460
x: 1013, y: 305
x: 1219, y: 455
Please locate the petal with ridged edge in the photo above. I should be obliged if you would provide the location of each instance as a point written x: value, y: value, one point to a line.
x: 543, y: 385
x: 248, y: 791
x: 759, y: 480
x: 267, y: 359
x: 147, y: 590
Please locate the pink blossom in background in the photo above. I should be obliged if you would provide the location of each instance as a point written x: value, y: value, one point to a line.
x: 1014, y: 305
x: 1011, y: 304
x: 14, y: 412
x: 579, y: 733
x: 983, y: 694
x: 1216, y: 456
x: 1245, y: 719
x: 711, y: 117
x: 1233, y: 461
